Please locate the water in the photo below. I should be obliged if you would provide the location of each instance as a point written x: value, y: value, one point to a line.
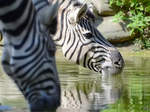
x: 87, y: 91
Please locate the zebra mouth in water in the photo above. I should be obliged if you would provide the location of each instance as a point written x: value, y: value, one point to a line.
x: 111, y: 69
x: 107, y: 68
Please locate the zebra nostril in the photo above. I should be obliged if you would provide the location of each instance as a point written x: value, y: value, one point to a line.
x: 117, y: 58
x: 117, y: 63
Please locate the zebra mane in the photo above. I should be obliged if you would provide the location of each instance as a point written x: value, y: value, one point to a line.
x: 52, y: 27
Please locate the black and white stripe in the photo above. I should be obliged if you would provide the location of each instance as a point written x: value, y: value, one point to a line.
x: 82, y: 43
x: 29, y: 54
x: 90, y: 95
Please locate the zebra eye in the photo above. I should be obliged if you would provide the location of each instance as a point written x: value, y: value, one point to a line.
x: 88, y: 35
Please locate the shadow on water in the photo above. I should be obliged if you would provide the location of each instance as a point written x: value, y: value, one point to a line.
x: 87, y: 91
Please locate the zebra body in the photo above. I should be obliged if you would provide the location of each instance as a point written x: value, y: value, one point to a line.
x: 29, y: 54
x: 82, y: 43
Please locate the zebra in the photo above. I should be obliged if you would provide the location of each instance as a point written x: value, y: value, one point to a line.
x: 29, y: 54
x: 81, y: 42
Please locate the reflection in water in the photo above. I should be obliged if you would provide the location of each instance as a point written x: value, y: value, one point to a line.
x: 90, y: 94
x: 86, y: 91
x: 136, y: 89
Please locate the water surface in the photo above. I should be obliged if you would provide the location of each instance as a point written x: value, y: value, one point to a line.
x: 87, y: 91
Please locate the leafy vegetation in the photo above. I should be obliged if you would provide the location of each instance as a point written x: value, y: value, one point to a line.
x: 136, y: 13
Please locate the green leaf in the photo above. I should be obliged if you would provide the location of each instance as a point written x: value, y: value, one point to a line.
x: 137, y: 14
x: 147, y: 9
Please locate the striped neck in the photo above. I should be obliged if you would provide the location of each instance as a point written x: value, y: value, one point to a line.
x: 15, y: 20
x: 61, y: 23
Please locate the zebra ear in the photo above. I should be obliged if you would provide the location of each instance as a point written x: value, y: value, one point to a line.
x: 48, y: 13
x: 78, y: 14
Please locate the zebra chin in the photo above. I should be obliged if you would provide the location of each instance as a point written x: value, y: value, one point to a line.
x: 108, y: 70
x: 111, y: 71
x: 45, y: 103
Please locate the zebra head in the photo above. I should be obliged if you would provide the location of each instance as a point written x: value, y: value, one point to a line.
x: 29, y: 55
x: 82, y: 43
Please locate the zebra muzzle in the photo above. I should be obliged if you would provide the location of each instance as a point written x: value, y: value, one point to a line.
x: 45, y: 103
